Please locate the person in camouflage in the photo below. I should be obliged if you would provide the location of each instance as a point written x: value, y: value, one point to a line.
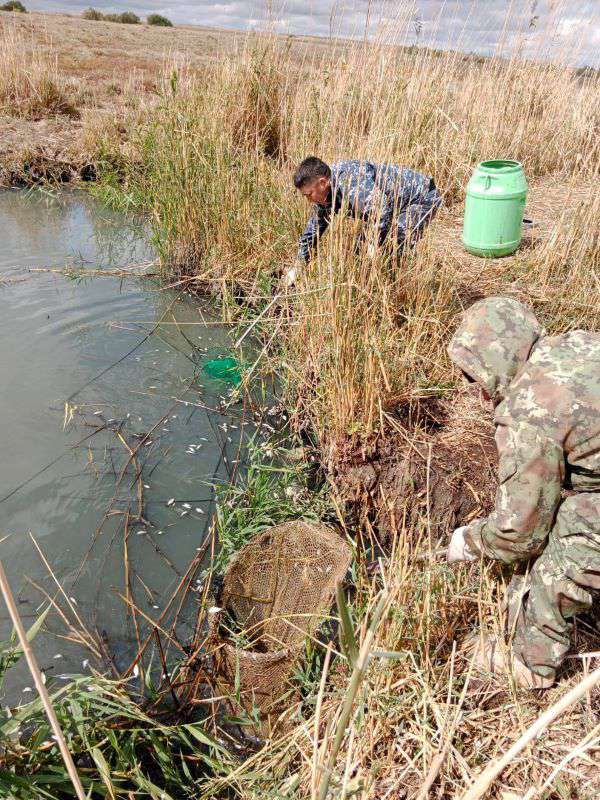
x: 388, y: 195
x: 546, y: 392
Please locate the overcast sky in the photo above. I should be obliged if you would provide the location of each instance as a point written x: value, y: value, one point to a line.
x: 542, y: 27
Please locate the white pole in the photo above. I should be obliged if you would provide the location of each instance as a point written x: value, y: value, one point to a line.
x: 489, y: 774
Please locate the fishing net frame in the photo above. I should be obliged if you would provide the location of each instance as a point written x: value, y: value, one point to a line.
x: 276, y: 590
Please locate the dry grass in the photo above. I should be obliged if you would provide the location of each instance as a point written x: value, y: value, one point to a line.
x: 356, y: 338
x: 218, y: 158
x: 96, y: 72
x: 417, y: 709
x: 106, y: 72
x: 30, y: 84
x: 212, y: 162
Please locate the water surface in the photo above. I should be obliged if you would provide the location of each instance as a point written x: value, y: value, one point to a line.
x: 92, y: 366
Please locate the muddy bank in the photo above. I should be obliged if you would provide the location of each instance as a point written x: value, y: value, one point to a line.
x: 437, y: 466
x: 46, y: 150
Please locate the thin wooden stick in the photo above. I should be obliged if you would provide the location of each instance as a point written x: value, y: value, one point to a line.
x: 358, y: 674
x: 489, y: 774
x: 257, y: 319
x: 314, y: 779
x: 39, y: 683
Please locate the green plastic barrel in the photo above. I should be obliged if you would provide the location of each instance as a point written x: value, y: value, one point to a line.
x: 494, y: 209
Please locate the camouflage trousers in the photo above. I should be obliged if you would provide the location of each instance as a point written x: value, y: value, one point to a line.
x: 560, y: 584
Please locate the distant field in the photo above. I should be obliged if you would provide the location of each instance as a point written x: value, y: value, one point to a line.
x: 106, y: 66
x: 106, y: 53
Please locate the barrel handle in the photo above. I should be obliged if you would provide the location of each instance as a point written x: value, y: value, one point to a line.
x: 488, y: 182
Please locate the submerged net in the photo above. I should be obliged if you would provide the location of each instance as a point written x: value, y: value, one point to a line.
x: 225, y: 369
x: 275, y: 593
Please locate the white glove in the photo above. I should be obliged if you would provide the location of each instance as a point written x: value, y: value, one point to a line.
x: 458, y: 550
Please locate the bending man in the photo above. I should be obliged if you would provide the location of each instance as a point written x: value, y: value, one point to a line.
x: 388, y: 196
x: 546, y: 390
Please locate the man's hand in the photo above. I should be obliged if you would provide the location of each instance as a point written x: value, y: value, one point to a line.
x: 372, y: 250
x: 290, y: 275
x: 458, y: 549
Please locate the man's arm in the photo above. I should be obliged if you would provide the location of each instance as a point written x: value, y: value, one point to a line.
x: 317, y: 225
x: 531, y: 473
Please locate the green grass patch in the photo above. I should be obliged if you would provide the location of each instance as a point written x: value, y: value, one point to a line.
x: 272, y: 491
x: 125, y: 17
x: 14, y: 5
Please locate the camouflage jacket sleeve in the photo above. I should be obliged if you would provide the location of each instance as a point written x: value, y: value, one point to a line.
x: 530, y: 475
x: 317, y: 225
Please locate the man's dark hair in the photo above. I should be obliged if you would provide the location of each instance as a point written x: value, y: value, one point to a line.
x: 311, y: 168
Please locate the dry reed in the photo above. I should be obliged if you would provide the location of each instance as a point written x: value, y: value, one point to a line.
x: 213, y: 164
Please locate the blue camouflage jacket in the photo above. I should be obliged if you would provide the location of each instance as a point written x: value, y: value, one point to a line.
x: 363, y: 190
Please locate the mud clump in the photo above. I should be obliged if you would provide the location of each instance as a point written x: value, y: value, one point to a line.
x: 439, y: 465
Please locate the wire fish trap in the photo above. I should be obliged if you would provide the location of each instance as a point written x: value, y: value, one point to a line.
x: 276, y: 591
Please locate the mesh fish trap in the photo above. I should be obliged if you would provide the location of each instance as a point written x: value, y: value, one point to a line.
x: 275, y: 592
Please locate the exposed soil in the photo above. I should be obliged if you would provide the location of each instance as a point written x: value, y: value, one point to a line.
x: 32, y: 151
x: 439, y: 465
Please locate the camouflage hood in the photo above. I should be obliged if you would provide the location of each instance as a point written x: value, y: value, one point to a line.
x: 493, y: 342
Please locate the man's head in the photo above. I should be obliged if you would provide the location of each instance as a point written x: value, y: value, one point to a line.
x: 493, y: 342
x: 313, y: 180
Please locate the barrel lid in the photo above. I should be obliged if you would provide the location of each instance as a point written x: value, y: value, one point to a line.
x: 497, y: 166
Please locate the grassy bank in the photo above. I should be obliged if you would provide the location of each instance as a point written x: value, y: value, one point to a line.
x: 137, y: 736
x: 359, y: 342
x: 359, y: 347
x: 212, y: 164
x: 118, y: 748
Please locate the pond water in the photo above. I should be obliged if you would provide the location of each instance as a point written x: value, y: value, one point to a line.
x: 93, y: 368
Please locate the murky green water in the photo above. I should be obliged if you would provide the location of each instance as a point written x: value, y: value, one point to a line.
x: 127, y: 357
